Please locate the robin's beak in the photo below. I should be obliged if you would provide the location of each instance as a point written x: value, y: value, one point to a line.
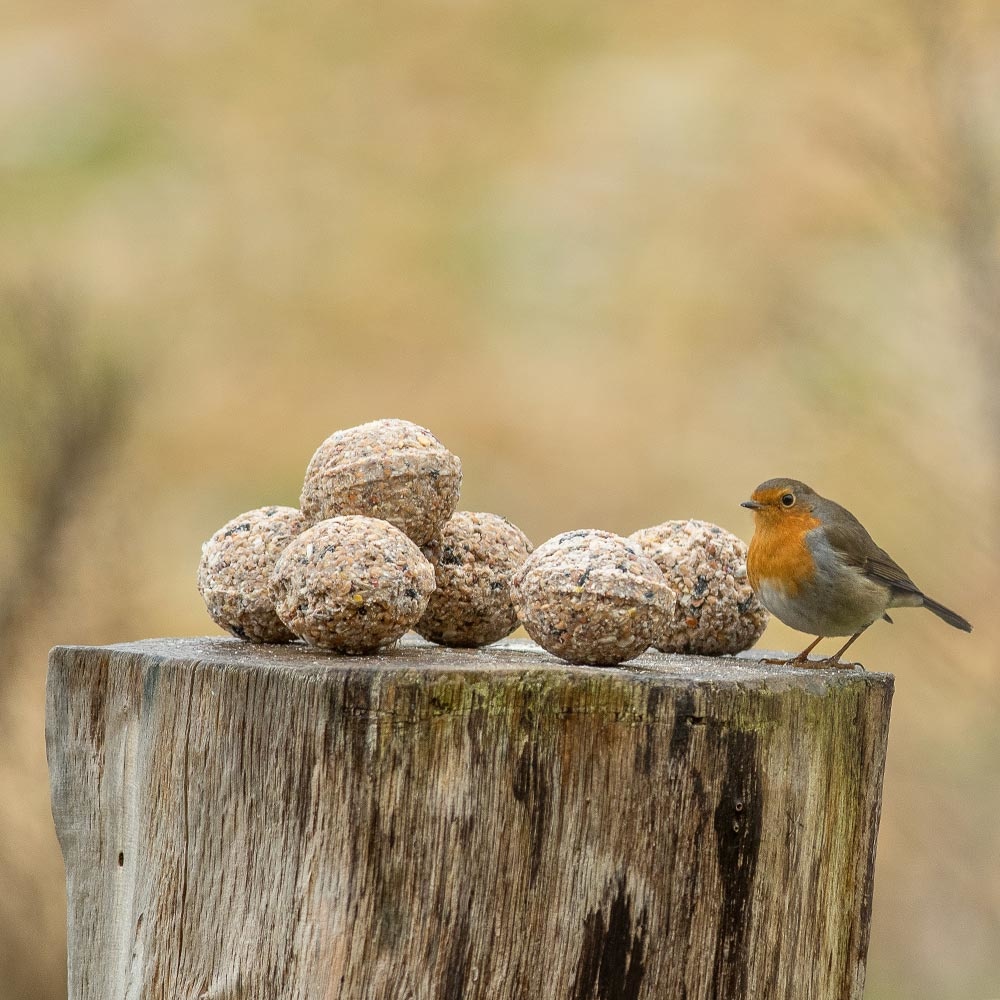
x: 751, y: 505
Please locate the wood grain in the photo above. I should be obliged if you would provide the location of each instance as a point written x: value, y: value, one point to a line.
x: 242, y: 821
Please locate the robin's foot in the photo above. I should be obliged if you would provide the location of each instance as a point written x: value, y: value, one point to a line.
x: 840, y: 665
x: 831, y: 663
x: 793, y: 661
x: 804, y: 663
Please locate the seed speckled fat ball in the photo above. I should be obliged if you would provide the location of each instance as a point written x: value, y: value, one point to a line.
x: 592, y: 597
x: 351, y: 584
x: 235, y: 568
x: 474, y: 559
x: 717, y: 612
x: 389, y: 469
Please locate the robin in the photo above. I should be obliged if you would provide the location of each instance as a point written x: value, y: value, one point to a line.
x: 813, y: 566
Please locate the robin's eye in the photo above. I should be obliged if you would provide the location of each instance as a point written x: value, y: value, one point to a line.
x: 787, y: 500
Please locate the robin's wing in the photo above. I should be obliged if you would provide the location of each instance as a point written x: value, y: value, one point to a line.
x: 886, y: 570
x: 848, y: 536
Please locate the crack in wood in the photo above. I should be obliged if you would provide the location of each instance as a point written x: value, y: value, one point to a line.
x: 186, y: 789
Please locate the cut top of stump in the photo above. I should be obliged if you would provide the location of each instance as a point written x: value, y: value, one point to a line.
x: 413, y: 654
x: 416, y: 678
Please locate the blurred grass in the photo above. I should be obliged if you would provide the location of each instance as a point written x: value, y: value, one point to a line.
x: 626, y: 261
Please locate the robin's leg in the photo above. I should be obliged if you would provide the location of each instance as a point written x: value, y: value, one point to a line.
x: 804, y: 655
x: 802, y: 658
x: 834, y: 660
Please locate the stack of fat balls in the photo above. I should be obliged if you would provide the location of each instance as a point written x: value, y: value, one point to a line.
x: 377, y: 548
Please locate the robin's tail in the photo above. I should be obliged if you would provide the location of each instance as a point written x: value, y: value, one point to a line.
x: 946, y: 614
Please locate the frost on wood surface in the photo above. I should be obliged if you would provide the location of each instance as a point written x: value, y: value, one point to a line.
x: 280, y: 822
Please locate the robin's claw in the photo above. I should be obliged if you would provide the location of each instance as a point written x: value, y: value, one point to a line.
x: 794, y: 661
x: 834, y: 663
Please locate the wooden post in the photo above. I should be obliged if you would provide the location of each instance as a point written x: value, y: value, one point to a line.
x: 243, y: 821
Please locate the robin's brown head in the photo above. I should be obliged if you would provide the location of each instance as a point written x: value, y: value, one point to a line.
x: 781, y: 499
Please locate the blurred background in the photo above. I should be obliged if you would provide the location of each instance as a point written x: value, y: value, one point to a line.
x: 627, y: 260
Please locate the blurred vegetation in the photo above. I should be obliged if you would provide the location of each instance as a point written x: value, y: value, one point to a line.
x: 59, y: 411
x: 627, y: 261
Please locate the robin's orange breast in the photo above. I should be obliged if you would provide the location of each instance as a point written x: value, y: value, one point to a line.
x: 779, y: 555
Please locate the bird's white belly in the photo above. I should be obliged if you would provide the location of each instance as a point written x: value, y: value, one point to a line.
x: 838, y: 600
x: 784, y: 607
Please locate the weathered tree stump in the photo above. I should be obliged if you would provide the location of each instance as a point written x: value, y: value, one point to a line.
x: 241, y: 821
